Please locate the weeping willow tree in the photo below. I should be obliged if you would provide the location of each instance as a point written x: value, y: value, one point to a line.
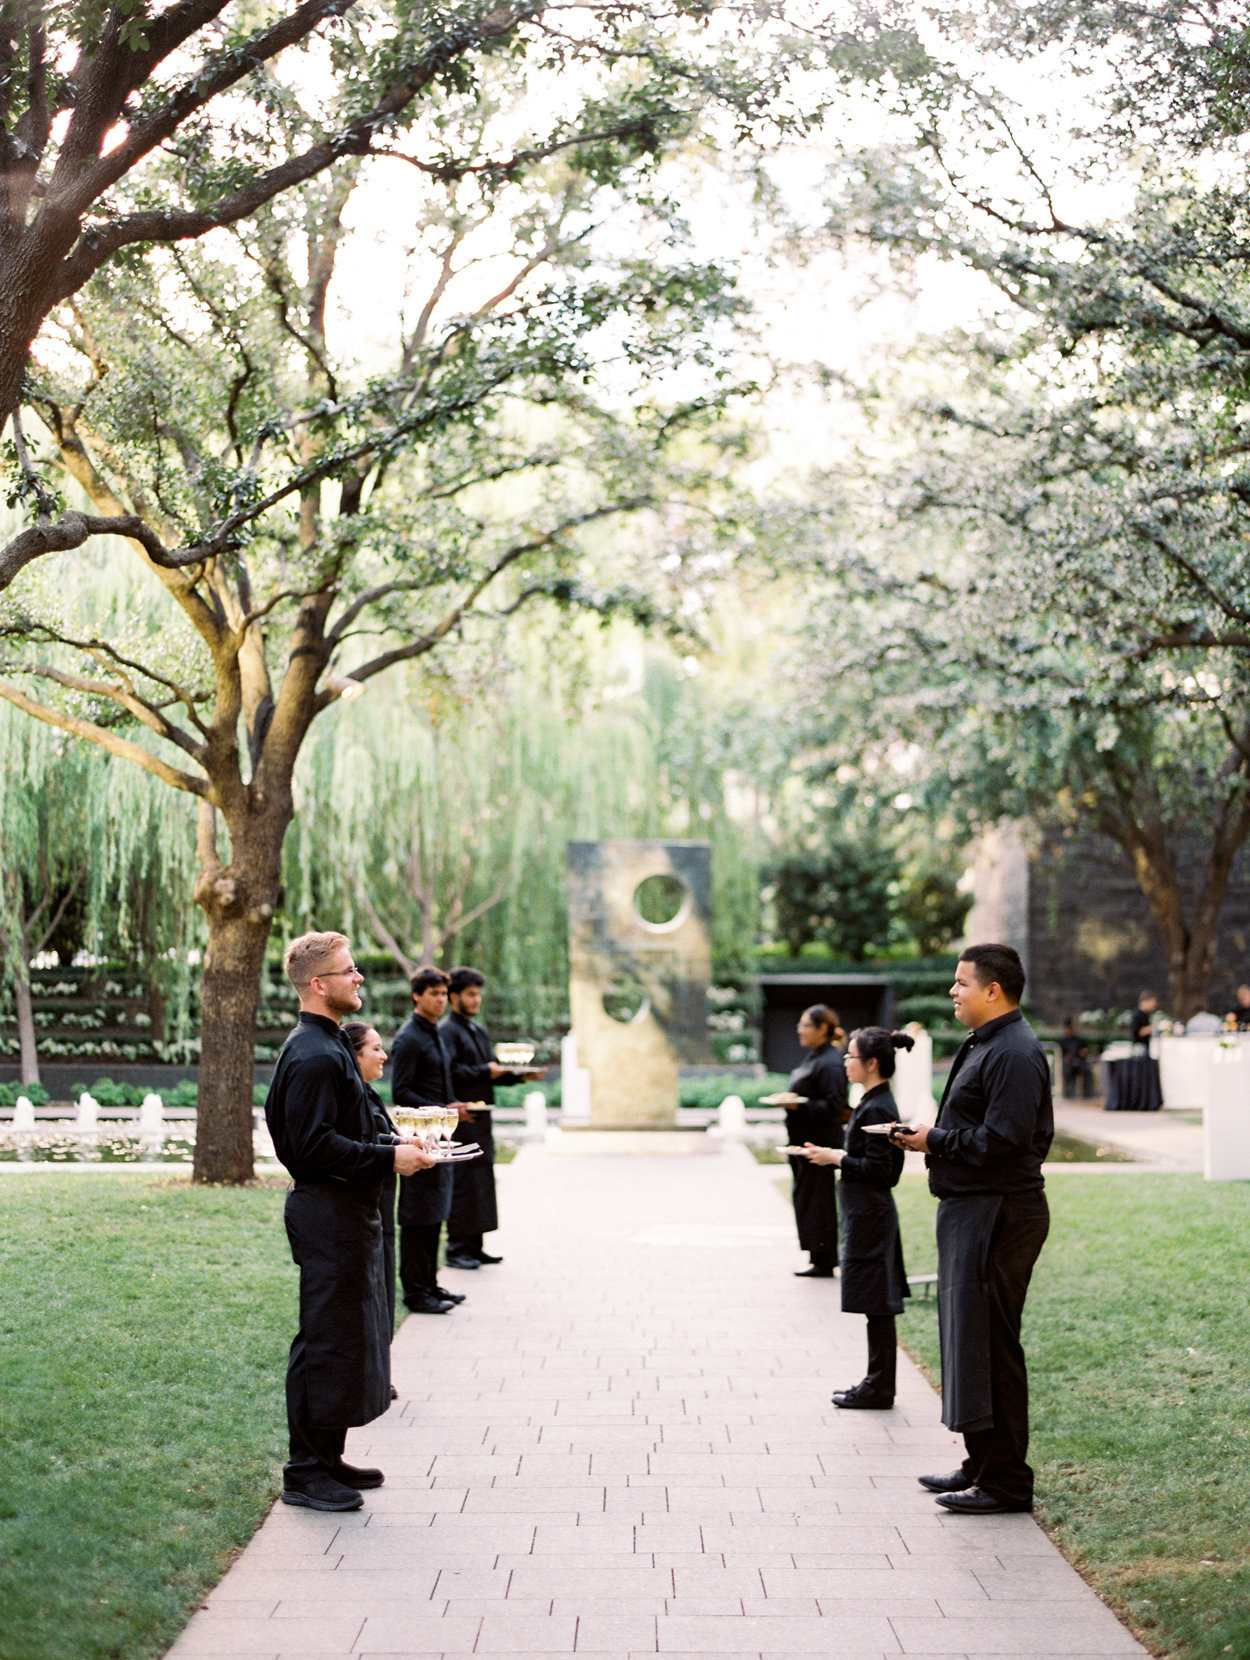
x: 438, y: 827
x: 313, y: 501
x: 92, y: 858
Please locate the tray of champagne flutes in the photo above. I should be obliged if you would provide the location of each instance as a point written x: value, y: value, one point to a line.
x: 433, y: 1127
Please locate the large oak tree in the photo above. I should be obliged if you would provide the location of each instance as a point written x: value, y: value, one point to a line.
x: 308, y: 514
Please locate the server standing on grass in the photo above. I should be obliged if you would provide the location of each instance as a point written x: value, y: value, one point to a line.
x: 420, y: 1076
x: 325, y: 1133
x: 474, y: 1074
x: 994, y: 1128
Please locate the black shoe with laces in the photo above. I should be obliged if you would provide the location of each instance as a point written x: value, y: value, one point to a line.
x: 863, y: 1398
x: 323, y: 1493
x: 427, y: 1302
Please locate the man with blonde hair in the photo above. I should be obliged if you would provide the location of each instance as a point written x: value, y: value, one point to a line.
x: 324, y: 1132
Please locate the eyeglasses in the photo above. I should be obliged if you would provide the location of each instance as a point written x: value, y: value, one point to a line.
x: 332, y: 973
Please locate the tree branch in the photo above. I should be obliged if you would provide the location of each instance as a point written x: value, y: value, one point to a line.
x: 427, y: 642
x: 115, y: 745
x: 356, y: 139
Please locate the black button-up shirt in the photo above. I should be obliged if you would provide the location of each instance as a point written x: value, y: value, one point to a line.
x: 996, y: 1123
x: 420, y: 1073
x: 317, y: 1111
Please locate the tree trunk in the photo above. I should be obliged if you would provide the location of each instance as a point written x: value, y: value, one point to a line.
x: 238, y: 900
x: 1190, y: 948
x: 28, y: 1049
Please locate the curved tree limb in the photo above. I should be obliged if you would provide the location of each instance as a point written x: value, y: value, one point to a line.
x: 111, y: 741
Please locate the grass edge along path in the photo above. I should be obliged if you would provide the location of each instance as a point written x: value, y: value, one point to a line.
x: 1137, y: 1331
x: 144, y: 1326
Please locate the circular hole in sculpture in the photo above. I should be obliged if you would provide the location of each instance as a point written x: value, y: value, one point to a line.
x: 661, y: 901
x: 625, y: 997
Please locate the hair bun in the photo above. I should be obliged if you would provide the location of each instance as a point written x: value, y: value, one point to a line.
x: 902, y: 1040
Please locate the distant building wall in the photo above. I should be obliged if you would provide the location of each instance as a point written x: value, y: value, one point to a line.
x: 1069, y: 903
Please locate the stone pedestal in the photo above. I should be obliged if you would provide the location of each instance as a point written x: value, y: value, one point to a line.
x: 638, y: 987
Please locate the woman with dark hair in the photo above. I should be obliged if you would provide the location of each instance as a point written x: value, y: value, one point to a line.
x: 371, y: 1059
x: 821, y: 1080
x: 874, y: 1280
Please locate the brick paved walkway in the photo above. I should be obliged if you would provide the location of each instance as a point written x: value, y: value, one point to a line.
x: 622, y: 1445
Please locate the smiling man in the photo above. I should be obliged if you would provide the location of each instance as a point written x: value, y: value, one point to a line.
x: 994, y: 1128
x: 325, y: 1133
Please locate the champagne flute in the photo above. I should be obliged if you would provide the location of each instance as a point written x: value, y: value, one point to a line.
x: 405, y: 1121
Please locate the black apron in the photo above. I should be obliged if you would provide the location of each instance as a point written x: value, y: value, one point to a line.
x: 473, y: 1206
x: 822, y: 1079
x: 874, y: 1280
x: 336, y: 1239
x: 965, y: 1227
x: 469, y: 1053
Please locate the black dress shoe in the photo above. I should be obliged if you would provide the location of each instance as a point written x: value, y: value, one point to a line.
x: 813, y: 1273
x: 448, y: 1296
x: 486, y: 1258
x: 977, y: 1502
x: 352, y: 1475
x: 394, y: 1393
x: 459, y: 1261
x: 863, y: 1398
x: 956, y: 1482
x: 323, y: 1493
x: 427, y: 1302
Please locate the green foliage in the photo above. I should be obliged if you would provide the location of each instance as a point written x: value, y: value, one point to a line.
x: 36, y: 1094
x: 838, y: 896
x: 932, y: 907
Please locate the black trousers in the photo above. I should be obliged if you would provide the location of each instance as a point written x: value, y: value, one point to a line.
x: 418, y: 1256
x: 997, y: 1460
x: 882, y: 1354
x: 469, y: 1243
x: 315, y: 1449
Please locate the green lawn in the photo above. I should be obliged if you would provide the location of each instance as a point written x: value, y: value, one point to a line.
x: 1138, y: 1335
x: 143, y: 1336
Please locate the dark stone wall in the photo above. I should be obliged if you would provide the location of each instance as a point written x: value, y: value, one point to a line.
x: 1092, y: 941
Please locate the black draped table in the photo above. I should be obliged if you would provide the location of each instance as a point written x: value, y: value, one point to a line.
x: 1133, y: 1083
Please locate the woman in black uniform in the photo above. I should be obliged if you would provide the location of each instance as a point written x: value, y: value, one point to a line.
x: 822, y: 1081
x: 874, y: 1280
x: 371, y: 1059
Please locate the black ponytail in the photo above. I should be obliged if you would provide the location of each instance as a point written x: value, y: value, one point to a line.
x: 876, y: 1044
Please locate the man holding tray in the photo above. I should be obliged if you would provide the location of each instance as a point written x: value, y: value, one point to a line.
x: 325, y: 1133
x: 994, y: 1128
x: 474, y: 1074
x: 421, y: 1076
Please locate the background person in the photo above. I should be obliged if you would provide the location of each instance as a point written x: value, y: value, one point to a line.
x: 994, y: 1127
x: 874, y: 1280
x: 1141, y: 1020
x: 474, y: 1074
x: 1239, y: 1014
x: 420, y: 1076
x: 325, y: 1133
x: 822, y: 1081
x: 1202, y: 1023
x: 1078, y: 1074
